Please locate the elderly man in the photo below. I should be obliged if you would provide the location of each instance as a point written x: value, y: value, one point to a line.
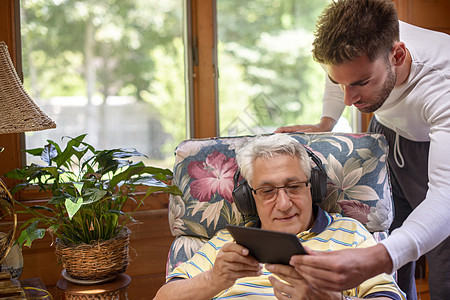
x: 278, y: 170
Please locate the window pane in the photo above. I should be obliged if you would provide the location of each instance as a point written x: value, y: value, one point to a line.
x: 267, y: 76
x: 111, y: 69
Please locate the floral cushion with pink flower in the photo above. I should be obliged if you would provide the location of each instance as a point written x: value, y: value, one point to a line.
x: 358, y: 183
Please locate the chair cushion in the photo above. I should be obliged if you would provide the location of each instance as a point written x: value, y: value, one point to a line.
x: 358, y: 183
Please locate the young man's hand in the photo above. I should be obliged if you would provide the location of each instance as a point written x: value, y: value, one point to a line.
x: 342, y: 269
x: 326, y: 124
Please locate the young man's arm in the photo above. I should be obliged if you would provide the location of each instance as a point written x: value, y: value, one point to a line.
x: 326, y: 124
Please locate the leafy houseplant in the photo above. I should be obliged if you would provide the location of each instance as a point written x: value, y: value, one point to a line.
x: 89, y: 190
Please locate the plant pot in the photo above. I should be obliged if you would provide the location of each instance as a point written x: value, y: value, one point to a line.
x: 98, y: 260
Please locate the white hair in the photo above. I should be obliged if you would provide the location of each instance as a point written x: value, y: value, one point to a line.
x: 268, y: 146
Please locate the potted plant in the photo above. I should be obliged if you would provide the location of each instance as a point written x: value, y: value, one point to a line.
x: 89, y: 189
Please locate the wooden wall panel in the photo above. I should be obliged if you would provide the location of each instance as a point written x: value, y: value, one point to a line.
x: 150, y: 245
x: 431, y: 14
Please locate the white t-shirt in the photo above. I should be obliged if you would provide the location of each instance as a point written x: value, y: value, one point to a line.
x: 418, y: 110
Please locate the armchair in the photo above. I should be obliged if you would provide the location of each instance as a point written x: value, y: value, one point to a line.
x: 358, y: 186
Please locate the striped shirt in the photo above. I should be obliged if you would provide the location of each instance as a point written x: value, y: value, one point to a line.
x: 329, y: 232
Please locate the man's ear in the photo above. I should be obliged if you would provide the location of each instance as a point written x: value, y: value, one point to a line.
x: 399, y: 54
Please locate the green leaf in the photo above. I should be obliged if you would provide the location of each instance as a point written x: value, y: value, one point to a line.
x: 106, y: 161
x: 58, y: 149
x: 34, y: 152
x: 93, y: 195
x: 125, y: 175
x: 138, y: 169
x: 30, y: 234
x: 53, y: 171
x: 54, y: 227
x: 73, y: 207
x: 64, y: 157
x: 41, y: 207
x: 78, y: 186
x: 156, y: 170
x: 171, y: 189
x: 57, y: 199
x: 18, y: 187
x: 79, y: 147
x: 19, y: 174
x: 29, y: 221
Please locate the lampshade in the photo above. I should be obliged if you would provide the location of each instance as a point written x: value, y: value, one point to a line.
x: 18, y: 112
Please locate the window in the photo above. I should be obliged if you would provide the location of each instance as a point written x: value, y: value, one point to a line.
x: 149, y: 34
x: 267, y: 77
x: 112, y: 69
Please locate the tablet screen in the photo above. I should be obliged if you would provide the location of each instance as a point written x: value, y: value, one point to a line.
x: 267, y: 246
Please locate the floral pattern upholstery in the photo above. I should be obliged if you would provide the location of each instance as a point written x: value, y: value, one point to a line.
x: 358, y: 185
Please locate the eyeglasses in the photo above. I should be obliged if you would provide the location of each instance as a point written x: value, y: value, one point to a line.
x: 293, y: 189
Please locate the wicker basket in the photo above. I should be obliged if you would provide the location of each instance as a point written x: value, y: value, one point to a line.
x: 96, y: 261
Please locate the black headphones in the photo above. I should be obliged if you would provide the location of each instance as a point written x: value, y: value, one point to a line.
x: 243, y: 196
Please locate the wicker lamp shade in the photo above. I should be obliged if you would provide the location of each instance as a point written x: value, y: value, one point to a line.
x: 18, y: 112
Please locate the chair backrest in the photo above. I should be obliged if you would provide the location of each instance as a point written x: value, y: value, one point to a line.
x: 358, y: 185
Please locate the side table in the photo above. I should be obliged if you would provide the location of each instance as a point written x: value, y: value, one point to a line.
x: 112, y: 290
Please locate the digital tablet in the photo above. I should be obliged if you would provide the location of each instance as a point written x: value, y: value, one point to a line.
x: 267, y: 246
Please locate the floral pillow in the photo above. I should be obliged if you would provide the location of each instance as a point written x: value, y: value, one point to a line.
x: 358, y: 183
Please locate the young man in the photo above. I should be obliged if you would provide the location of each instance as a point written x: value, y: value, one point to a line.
x: 401, y: 73
x: 278, y: 171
